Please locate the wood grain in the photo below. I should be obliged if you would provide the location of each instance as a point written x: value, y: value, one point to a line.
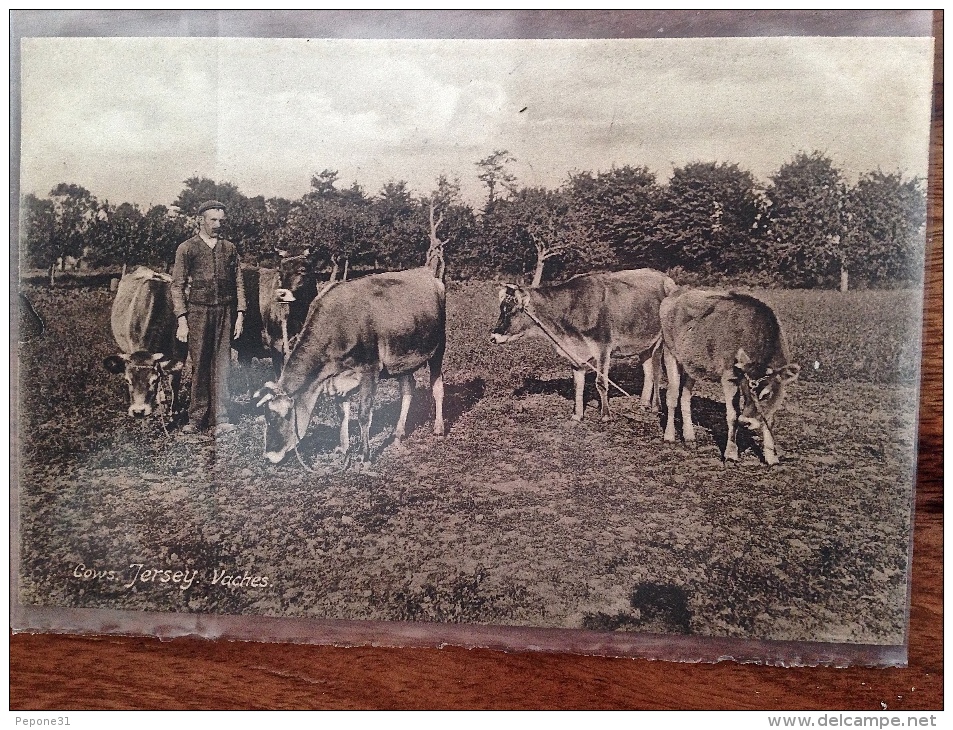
x: 66, y: 672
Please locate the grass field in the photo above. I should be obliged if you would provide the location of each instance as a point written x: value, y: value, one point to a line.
x: 517, y: 517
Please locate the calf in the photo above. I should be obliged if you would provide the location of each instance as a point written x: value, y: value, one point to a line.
x: 732, y: 338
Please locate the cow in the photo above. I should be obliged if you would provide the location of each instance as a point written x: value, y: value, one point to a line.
x: 588, y: 319
x: 381, y: 326
x: 278, y: 301
x: 733, y: 338
x: 143, y: 325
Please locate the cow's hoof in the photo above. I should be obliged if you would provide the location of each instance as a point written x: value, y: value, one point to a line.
x: 606, y: 418
x: 771, y: 459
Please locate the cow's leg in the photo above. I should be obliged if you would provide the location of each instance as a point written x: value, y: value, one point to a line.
x: 652, y: 370
x: 579, y: 380
x: 406, y: 395
x: 688, y: 428
x: 345, y: 430
x: 648, y: 384
x: 365, y: 411
x: 674, y: 377
x: 770, y: 450
x: 730, y: 389
x: 436, y: 386
x: 602, y: 385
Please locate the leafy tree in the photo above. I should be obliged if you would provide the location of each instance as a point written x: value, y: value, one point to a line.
x: 806, y: 221
x: 495, y: 175
x: 116, y: 235
x: 334, y: 231
x: 536, y: 227
x: 618, y: 210
x: 59, y: 229
x: 709, y: 218
x: 162, y: 231
x: 37, y: 226
x: 885, y: 219
x: 322, y: 185
x: 401, y: 238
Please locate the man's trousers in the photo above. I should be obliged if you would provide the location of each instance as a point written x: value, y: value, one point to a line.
x: 210, y: 343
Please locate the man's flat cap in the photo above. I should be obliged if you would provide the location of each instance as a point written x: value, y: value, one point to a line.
x: 211, y: 205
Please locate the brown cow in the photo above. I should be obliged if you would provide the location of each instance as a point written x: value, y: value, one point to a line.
x: 590, y: 318
x: 384, y: 325
x: 143, y: 325
x: 732, y: 338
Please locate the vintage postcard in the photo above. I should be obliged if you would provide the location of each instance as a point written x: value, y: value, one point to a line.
x: 602, y: 345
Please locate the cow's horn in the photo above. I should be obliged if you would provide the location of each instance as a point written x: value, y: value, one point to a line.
x: 157, y: 357
x: 265, y: 398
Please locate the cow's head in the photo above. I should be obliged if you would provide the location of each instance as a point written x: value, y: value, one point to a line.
x: 295, y: 273
x: 143, y: 372
x: 513, y: 322
x: 762, y: 390
x: 287, y: 418
x: 281, y: 432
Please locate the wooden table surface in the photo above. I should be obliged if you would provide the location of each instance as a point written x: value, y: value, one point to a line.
x: 68, y: 672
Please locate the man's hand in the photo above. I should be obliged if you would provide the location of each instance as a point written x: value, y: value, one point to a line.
x: 239, y: 323
x: 182, y: 330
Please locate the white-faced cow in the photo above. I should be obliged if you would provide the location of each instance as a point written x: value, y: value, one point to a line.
x: 143, y: 325
x: 590, y: 318
x: 732, y: 338
x: 384, y: 325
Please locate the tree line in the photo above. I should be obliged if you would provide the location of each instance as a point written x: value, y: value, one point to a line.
x: 710, y: 223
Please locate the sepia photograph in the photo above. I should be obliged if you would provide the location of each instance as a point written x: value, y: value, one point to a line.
x: 597, y: 345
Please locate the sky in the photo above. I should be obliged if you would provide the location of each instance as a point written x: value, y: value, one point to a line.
x: 131, y: 118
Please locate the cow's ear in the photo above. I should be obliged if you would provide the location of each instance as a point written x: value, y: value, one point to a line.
x: 789, y: 373
x: 265, y: 394
x: 281, y: 252
x: 741, y: 359
x: 170, y: 366
x: 115, y: 364
x: 306, y: 252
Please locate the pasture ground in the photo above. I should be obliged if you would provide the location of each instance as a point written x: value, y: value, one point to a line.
x: 517, y: 517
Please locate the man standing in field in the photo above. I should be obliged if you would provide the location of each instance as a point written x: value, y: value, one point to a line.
x: 210, y: 314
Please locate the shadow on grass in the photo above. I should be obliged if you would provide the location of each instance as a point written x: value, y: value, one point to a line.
x: 627, y: 374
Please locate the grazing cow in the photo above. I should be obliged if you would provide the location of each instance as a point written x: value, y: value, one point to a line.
x: 728, y: 337
x: 590, y: 318
x: 384, y: 325
x: 143, y: 325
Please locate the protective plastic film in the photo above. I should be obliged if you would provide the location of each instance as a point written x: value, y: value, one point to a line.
x: 580, y: 341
